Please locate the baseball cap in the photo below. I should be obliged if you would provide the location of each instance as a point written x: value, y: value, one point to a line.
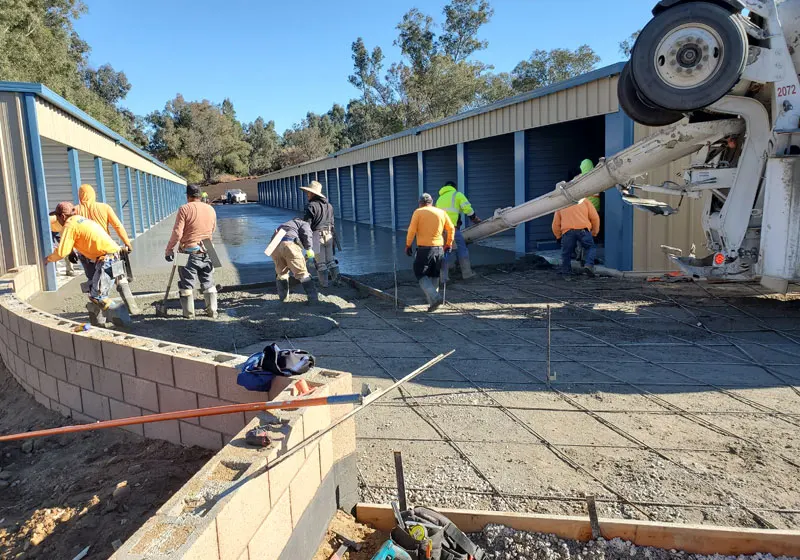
x: 426, y: 198
x: 192, y: 190
x: 65, y: 208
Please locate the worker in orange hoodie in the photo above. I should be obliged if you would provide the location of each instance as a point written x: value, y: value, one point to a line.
x: 574, y: 225
x: 435, y: 233
x: 102, y: 214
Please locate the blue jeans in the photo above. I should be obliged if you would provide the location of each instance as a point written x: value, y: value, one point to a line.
x: 568, y: 243
x: 460, y: 251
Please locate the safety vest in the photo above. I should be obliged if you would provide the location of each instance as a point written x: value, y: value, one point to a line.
x: 454, y: 203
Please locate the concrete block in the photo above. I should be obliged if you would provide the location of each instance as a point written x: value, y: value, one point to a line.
x: 31, y: 375
x: 36, y: 356
x: 88, y: 349
x: 65, y: 411
x: 13, y: 322
x: 154, y: 365
x: 25, y: 330
x: 41, y: 336
x: 48, y: 385
x: 310, y: 530
x: 245, y: 555
x: 117, y: 357
x: 70, y: 395
x: 107, y: 382
x: 96, y: 406
x: 228, y: 424
x: 195, y: 375
x: 22, y: 350
x: 82, y: 418
x: 205, y: 546
x: 270, y: 539
x: 140, y: 392
x: 282, y: 471
x: 41, y: 399
x: 167, y: 431
x: 195, y: 435
x: 80, y: 374
x: 230, y: 391
x: 325, y: 455
x: 61, y: 343
x: 55, y: 365
x: 125, y: 410
x: 304, y: 485
x: 171, y: 399
x: 243, y: 514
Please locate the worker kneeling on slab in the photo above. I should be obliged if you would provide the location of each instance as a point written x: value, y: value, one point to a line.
x: 434, y: 232
x: 577, y: 224
x: 101, y: 258
x: 194, y: 224
x: 288, y: 257
x: 319, y: 215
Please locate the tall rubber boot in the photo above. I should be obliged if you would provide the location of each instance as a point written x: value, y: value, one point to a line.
x: 210, y: 296
x: 310, y: 289
x: 187, y: 303
x: 431, y: 293
x: 466, y: 268
x: 334, y: 274
x: 124, y: 290
x: 323, y: 278
x: 283, y: 288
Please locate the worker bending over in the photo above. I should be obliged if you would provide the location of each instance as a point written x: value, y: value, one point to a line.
x: 434, y: 232
x: 105, y: 216
x: 98, y: 251
x: 288, y: 257
x: 55, y: 232
x: 577, y: 225
x: 319, y: 215
x: 194, y: 224
x: 456, y: 203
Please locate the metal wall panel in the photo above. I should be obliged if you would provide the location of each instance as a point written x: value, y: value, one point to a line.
x: 439, y: 167
x: 321, y: 179
x: 554, y: 154
x: 347, y: 196
x: 362, y: 193
x: 56, y: 173
x: 135, y: 201
x: 111, y: 196
x: 680, y: 230
x: 381, y: 193
x: 489, y: 169
x: 333, y: 192
x: 88, y: 177
x: 406, y: 189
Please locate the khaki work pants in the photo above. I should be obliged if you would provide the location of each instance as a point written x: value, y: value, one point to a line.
x: 322, y: 243
x: 288, y: 257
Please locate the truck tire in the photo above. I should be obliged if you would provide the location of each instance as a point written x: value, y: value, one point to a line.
x: 689, y: 56
x: 638, y: 110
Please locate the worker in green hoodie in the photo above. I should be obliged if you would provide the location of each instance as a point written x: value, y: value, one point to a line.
x: 456, y: 203
x: 586, y: 167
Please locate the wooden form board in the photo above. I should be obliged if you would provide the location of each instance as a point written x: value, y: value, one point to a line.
x: 695, y: 539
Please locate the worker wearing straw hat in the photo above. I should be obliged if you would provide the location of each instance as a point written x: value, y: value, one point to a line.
x: 319, y: 215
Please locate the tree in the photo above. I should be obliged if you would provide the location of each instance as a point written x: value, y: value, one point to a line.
x: 544, y: 68
x: 416, y: 39
x: 463, y: 19
x: 626, y: 46
x: 265, y: 142
x: 303, y: 144
x: 110, y: 85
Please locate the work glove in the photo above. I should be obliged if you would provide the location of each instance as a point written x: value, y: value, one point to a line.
x: 448, y: 249
x: 129, y: 248
x: 73, y: 257
x: 476, y: 220
x: 169, y: 257
x: 310, y: 254
x: 409, y: 251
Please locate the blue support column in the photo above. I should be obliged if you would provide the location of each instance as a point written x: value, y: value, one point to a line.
x: 140, y: 199
x: 117, y: 189
x: 339, y: 192
x: 618, y: 216
x: 371, y: 194
x: 101, y: 179
x: 353, y: 192
x: 420, y: 173
x: 74, y: 173
x: 131, y: 213
x: 161, y: 206
x: 39, y: 191
x: 156, y: 188
x: 148, y: 198
x: 461, y: 175
x: 521, y: 231
x: 392, y: 197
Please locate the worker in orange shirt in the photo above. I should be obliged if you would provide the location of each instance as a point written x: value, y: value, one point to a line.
x: 577, y: 225
x: 435, y: 232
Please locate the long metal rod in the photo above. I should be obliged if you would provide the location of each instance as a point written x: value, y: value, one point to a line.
x: 193, y: 413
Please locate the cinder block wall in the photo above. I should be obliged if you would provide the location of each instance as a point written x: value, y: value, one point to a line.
x: 101, y: 374
x: 260, y: 504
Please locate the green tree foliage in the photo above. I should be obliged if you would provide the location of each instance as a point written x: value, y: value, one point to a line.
x: 544, y: 68
x: 626, y: 46
x: 110, y: 85
x: 464, y: 19
x: 265, y: 143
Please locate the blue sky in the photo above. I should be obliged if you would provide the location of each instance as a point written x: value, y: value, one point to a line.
x: 280, y: 59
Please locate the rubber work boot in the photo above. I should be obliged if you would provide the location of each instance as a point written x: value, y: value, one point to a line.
x: 211, y: 302
x: 283, y: 288
x: 334, y: 274
x: 310, y: 289
x: 466, y: 268
x: 431, y: 293
x: 124, y: 290
x: 187, y: 303
x: 323, y: 278
x: 589, y: 271
x: 118, y: 314
x: 96, y: 316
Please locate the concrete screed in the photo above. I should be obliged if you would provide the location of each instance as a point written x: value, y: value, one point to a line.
x: 674, y: 402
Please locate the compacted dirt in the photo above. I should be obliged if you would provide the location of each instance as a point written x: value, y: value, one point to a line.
x: 60, y: 494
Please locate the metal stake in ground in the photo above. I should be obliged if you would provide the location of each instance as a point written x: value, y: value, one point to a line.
x: 401, y: 480
x: 548, y: 347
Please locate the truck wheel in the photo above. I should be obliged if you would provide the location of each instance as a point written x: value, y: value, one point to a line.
x: 637, y: 109
x: 689, y: 56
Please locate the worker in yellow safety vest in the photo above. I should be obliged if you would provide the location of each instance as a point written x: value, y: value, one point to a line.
x: 456, y: 203
x: 586, y: 167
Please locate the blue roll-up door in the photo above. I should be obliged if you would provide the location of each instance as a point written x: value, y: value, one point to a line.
x: 296, y: 192
x: 347, y: 196
x: 381, y: 193
x: 553, y: 154
x: 439, y: 167
x: 490, y: 175
x: 323, y: 182
x: 362, y: 193
x: 333, y: 192
x: 406, y: 189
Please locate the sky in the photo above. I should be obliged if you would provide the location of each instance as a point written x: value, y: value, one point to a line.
x: 279, y: 59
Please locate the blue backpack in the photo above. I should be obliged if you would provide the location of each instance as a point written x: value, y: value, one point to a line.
x: 260, y: 369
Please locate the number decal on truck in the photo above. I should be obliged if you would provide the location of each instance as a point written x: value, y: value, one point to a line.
x: 787, y: 90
